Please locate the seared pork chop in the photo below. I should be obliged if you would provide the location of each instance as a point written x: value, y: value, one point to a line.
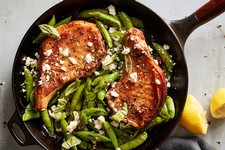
x: 142, y: 84
x: 78, y: 53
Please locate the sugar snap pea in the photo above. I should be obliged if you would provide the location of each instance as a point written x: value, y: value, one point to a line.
x: 120, y: 133
x: 47, y: 120
x: 76, y: 102
x: 30, y: 113
x: 92, y: 136
x: 89, y: 13
x: 155, y: 122
x: 72, y: 87
x: 101, y: 94
x: 101, y: 16
x: 125, y: 19
x: 165, y: 56
x: 105, y: 33
x: 137, y: 22
x: 134, y: 142
x: 95, y: 112
x: 64, y: 21
x: 110, y: 133
x: 28, y: 83
x: 170, y: 106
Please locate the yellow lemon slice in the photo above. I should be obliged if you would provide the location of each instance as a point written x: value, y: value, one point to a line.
x: 217, y: 104
x: 194, y: 117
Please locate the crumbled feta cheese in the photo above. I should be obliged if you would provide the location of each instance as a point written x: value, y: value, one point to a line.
x: 97, y: 73
x: 36, y: 55
x: 63, y: 78
x: 166, y: 47
x: 98, y: 122
x: 116, y: 38
x: 48, y: 52
x: 33, y: 63
x: 30, y: 62
x: 46, y: 68
x: 47, y: 78
x: 64, y: 52
x: 133, y: 77
x: 156, y: 61
x: 113, y: 84
x: 73, y: 124
x: 132, y: 38
x: 168, y: 84
x: 112, y: 29
x: 137, y: 46
x: 114, y: 123
x: 40, y: 82
x: 61, y: 62
x: 63, y: 69
x: 126, y: 50
x: 112, y: 10
x: 73, y: 60
x: 88, y: 58
x: 114, y: 93
x: 56, y: 64
x: 107, y: 60
x: 157, y: 81
x: 90, y: 44
x: 111, y: 67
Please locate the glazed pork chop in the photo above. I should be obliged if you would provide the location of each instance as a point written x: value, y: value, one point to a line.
x: 78, y: 53
x: 142, y: 85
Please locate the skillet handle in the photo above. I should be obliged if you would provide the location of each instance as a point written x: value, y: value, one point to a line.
x: 184, y: 27
x: 19, y: 131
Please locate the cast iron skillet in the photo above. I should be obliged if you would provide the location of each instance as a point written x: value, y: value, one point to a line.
x: 173, y: 33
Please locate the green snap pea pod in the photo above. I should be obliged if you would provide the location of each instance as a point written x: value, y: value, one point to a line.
x: 47, y: 120
x: 165, y: 56
x: 72, y: 87
x: 100, y: 104
x: 137, y: 22
x: 120, y: 133
x: 134, y: 142
x: 101, y: 16
x: 90, y: 103
x: 64, y: 21
x: 97, y: 80
x: 125, y: 19
x: 76, y: 102
x: 42, y: 35
x: 164, y: 112
x: 28, y: 83
x: 30, y: 113
x: 166, y: 72
x: 89, y: 13
x: 105, y: 33
x: 92, y: 136
x: 83, y: 121
x: 110, y: 133
x: 95, y: 112
x: 64, y: 125
x: 155, y: 122
x: 170, y: 106
x: 32, y: 97
x: 101, y: 94
x: 84, y: 145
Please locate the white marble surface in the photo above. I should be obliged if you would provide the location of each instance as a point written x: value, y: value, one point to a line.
x: 204, y: 51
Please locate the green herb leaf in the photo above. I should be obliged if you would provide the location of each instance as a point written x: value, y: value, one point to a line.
x: 71, y: 142
x: 72, y: 87
x: 50, y: 31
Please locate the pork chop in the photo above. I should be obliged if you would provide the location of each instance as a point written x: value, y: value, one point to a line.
x: 142, y: 85
x: 78, y: 53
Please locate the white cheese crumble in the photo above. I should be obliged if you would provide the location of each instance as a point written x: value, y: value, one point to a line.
x: 64, y: 52
x: 133, y: 77
x: 114, y: 123
x: 88, y: 58
x: 73, y: 124
x: 37, y: 55
x: 47, y: 78
x: 112, y: 10
x: 90, y: 44
x: 63, y: 69
x: 98, y: 122
x: 114, y: 93
x: 61, y: 62
x: 48, y: 52
x: 30, y: 62
x: 112, y: 29
x: 126, y: 50
x: 72, y: 60
x: 46, y: 68
x: 166, y: 47
x: 97, y: 73
x: 157, y: 81
x: 107, y: 60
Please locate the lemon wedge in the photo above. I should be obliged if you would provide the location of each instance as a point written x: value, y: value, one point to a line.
x: 194, y: 117
x: 217, y: 104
